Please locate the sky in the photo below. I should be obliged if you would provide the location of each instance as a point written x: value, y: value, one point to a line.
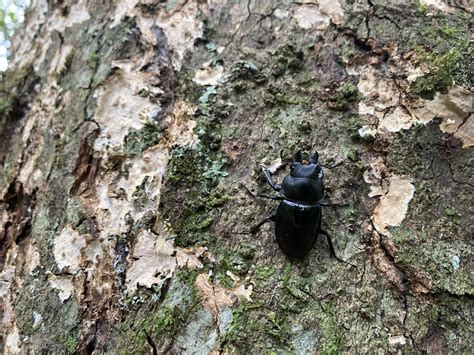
x: 12, y: 14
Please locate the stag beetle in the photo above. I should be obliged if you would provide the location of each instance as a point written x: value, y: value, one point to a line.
x: 298, y: 217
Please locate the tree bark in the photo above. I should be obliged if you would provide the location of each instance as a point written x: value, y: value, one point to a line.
x: 127, y: 129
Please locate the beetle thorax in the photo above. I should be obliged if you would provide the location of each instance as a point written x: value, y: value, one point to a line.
x: 304, y: 183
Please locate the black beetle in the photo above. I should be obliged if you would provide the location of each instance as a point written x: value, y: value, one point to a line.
x: 298, y: 217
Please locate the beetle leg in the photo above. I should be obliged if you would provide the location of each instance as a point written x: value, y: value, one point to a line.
x: 269, y: 178
x: 256, y: 227
x: 277, y: 198
x: 331, y: 248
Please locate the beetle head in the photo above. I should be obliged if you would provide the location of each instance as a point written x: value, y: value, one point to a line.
x: 309, y: 169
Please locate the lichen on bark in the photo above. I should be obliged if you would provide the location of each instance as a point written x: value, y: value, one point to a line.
x: 129, y: 127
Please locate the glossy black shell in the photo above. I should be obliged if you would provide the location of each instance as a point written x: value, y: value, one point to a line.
x: 297, y: 227
x: 298, y: 217
x: 302, y: 189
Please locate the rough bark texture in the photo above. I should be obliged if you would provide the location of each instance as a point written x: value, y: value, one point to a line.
x: 127, y: 127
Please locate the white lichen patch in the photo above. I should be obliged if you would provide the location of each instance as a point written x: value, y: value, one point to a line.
x: 63, y: 284
x: 438, y: 5
x: 310, y: 17
x: 281, y: 14
x: 367, y: 131
x: 37, y: 320
x: 156, y: 259
x: 115, y: 193
x: 394, y: 193
x: 455, y: 108
x: 181, y: 27
x: 393, y: 204
x: 57, y: 22
x: 396, y: 120
x: 209, y: 74
x: 397, y: 340
x: 12, y: 343
x: 67, y: 250
x: 120, y: 108
x: 379, y: 92
x: 275, y: 165
x: 333, y: 9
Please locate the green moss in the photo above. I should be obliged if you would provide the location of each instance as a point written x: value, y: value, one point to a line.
x: 444, y: 47
x: 200, y: 174
x: 93, y: 60
x: 345, y: 51
x: 247, y: 71
x: 159, y: 321
x: 353, y: 155
x: 57, y: 330
x: 5, y: 103
x: 333, y: 337
x: 452, y: 214
x: 345, y: 97
x: 138, y: 141
x: 287, y: 59
x: 400, y: 234
x: 70, y: 343
x: 417, y: 253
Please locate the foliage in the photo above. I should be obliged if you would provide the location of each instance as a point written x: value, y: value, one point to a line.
x: 11, y: 15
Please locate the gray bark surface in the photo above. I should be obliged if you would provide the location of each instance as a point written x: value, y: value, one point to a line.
x: 127, y: 127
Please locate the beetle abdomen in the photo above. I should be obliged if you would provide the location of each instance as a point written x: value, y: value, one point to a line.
x: 296, y: 227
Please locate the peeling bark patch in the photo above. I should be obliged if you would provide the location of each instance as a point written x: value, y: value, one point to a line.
x: 181, y: 27
x: 209, y: 74
x: 437, y: 4
x: 63, y: 284
x: 393, y: 204
x: 396, y: 121
x: 455, y: 108
x: 116, y: 192
x: 67, y: 250
x: 379, y: 92
x: 155, y: 260
x: 386, y: 99
x: 56, y: 23
x: 309, y: 17
x: 12, y: 342
x: 120, y: 108
x: 318, y: 16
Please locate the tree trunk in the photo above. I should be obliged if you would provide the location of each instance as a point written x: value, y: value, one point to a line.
x: 127, y: 129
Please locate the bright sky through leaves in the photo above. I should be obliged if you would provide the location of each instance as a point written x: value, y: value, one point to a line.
x: 12, y: 13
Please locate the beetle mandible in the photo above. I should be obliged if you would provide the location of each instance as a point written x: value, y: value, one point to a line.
x: 298, y: 216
